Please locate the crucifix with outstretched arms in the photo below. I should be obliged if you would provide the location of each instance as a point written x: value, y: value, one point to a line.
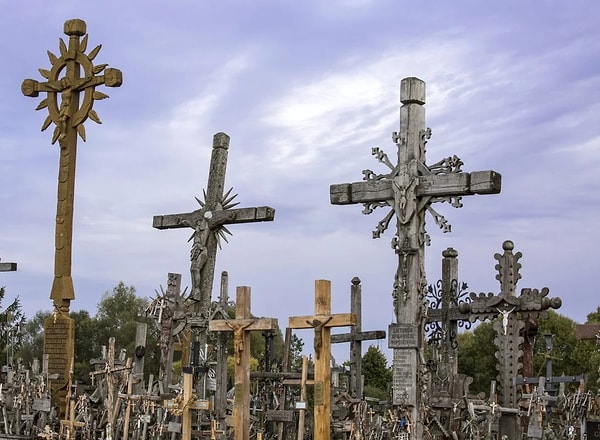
x: 409, y: 190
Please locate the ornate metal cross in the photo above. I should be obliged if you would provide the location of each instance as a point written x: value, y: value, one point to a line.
x: 68, y: 116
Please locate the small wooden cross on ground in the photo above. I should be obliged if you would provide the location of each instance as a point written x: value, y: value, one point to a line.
x: 241, y: 327
x: 409, y: 190
x: 8, y: 267
x: 322, y: 322
x: 355, y: 337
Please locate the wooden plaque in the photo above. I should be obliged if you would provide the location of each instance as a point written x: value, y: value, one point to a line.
x: 318, y: 393
x: 403, y: 336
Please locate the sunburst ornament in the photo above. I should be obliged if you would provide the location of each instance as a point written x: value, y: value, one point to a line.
x: 73, y: 60
x: 220, y: 230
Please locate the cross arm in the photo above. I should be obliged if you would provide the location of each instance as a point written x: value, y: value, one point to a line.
x: 362, y: 336
x: 335, y: 320
x: 220, y: 217
x: 228, y: 325
x: 8, y: 267
x: 433, y: 185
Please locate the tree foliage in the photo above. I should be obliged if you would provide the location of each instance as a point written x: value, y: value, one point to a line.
x: 377, y: 375
x: 568, y: 356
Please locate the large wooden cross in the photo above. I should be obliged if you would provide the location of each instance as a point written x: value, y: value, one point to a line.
x: 68, y: 116
x: 409, y: 190
x: 241, y: 327
x: 80, y: 80
x: 209, y: 223
x: 8, y: 267
x: 322, y: 322
x: 355, y: 337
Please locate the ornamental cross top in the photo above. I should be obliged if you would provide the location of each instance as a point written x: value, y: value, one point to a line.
x: 68, y: 116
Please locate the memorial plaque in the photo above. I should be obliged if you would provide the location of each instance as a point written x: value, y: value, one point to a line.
x: 279, y: 416
x: 318, y: 392
x: 238, y: 393
x: 403, y: 388
x: 42, y: 405
x: 535, y: 432
x: 403, y: 336
x: 174, y: 427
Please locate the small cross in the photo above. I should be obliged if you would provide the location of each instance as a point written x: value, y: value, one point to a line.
x: 322, y: 322
x: 241, y: 327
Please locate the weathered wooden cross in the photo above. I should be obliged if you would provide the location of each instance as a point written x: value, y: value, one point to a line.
x: 209, y: 224
x: 322, y: 322
x: 241, y: 327
x: 531, y: 304
x: 68, y: 116
x: 410, y: 189
x: 355, y: 337
x: 8, y: 267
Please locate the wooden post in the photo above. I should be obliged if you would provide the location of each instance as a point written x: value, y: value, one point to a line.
x: 140, y: 353
x: 241, y: 326
x: 355, y: 337
x: 322, y: 322
x: 409, y: 189
x: 302, y: 411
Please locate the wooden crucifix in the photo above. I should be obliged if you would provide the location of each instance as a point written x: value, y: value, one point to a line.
x: 514, y: 311
x: 209, y: 225
x: 410, y: 189
x: 80, y: 80
x: 241, y: 327
x: 8, y: 267
x: 355, y: 337
x: 322, y: 322
x: 184, y: 404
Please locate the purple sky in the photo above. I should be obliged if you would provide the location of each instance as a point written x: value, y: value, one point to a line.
x: 305, y: 90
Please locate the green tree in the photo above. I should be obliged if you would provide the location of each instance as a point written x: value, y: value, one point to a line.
x: 33, y: 338
x: 12, y: 321
x: 476, y: 356
x: 377, y: 375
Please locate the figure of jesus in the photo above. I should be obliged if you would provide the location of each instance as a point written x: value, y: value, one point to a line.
x: 505, y: 314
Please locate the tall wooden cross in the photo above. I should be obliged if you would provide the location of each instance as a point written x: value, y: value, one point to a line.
x: 355, y: 337
x: 209, y: 225
x: 409, y: 190
x: 8, y: 267
x: 68, y: 114
x: 241, y: 327
x: 322, y: 322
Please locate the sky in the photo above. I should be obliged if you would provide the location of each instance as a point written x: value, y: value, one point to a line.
x: 305, y: 90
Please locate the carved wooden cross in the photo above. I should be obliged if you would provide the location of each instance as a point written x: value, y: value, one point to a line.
x: 209, y: 224
x: 322, y: 322
x: 532, y: 303
x: 69, y: 116
x: 355, y: 337
x: 410, y: 189
x: 241, y: 326
x: 8, y: 267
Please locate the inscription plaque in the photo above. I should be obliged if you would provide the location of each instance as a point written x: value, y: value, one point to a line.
x: 318, y: 392
x: 403, y: 336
